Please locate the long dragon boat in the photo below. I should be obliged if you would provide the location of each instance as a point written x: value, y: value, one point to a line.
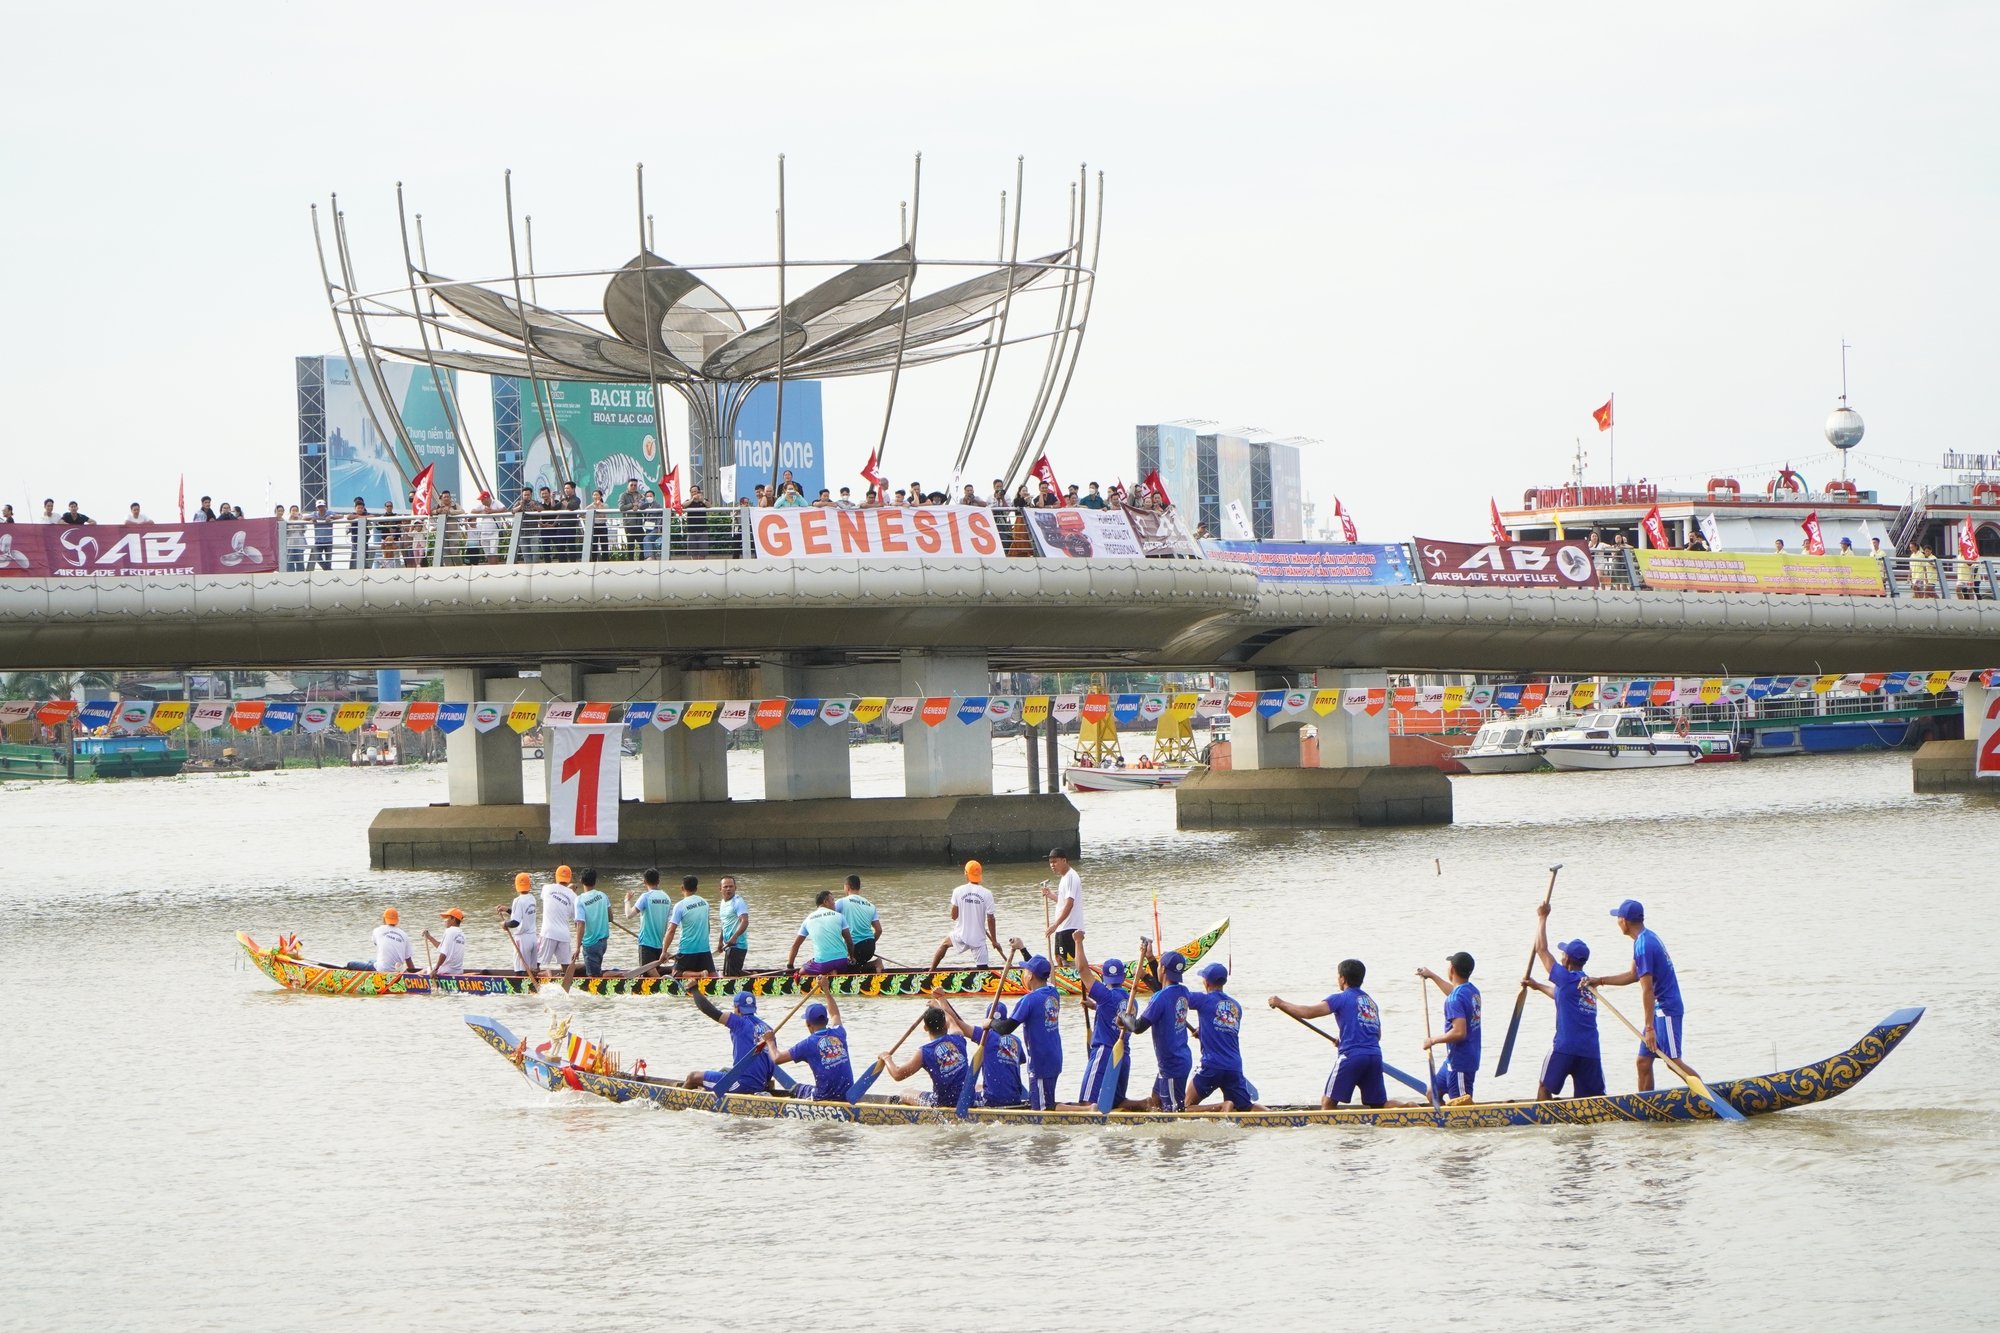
x: 586, y: 1067
x: 282, y: 963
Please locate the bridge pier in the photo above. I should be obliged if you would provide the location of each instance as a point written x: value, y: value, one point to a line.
x: 1946, y: 766
x: 1353, y: 786
x: 480, y: 769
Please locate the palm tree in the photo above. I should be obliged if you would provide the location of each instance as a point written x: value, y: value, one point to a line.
x: 51, y: 684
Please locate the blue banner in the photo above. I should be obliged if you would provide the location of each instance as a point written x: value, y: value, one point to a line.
x: 1762, y: 687
x: 1269, y: 702
x: 803, y: 712
x: 972, y: 708
x: 280, y: 717
x: 1317, y: 562
x: 97, y: 713
x: 1507, y: 697
x: 636, y: 714
x: 1125, y: 709
x: 452, y: 716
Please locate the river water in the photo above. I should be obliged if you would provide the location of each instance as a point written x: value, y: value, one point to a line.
x: 186, y: 1146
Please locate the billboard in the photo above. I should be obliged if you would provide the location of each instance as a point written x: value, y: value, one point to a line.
x: 1563, y: 564
x: 1288, y: 494
x: 1083, y: 534
x: 1719, y: 571
x: 1174, y: 451
x: 1316, y: 562
x: 38, y: 551
x: 815, y: 533
x: 803, y: 450
x: 1232, y: 477
x: 361, y: 461
x: 605, y: 434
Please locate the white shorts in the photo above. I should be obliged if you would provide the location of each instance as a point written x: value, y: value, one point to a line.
x: 528, y: 949
x: 556, y: 951
x: 982, y: 956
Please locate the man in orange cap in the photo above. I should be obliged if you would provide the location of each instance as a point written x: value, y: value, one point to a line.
x: 392, y: 946
x: 558, y: 944
x: 974, y: 920
x: 520, y: 919
x: 451, y: 949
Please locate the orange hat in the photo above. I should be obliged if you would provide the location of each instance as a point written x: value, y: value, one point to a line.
x: 389, y: 916
x: 973, y: 870
x: 562, y: 874
x: 452, y: 914
x: 524, y: 883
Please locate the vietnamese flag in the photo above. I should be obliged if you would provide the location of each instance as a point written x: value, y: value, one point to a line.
x: 1602, y: 416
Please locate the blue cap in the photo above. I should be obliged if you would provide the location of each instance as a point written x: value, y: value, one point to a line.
x: 1113, y: 972
x: 815, y: 1012
x: 746, y: 1003
x: 1576, y: 951
x: 1215, y: 972
x: 1629, y: 910
x: 1039, y: 966
x: 1173, y: 964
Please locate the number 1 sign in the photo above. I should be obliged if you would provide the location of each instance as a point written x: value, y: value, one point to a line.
x: 583, y: 783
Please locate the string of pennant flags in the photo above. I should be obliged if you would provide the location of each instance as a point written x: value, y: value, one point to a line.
x: 245, y: 715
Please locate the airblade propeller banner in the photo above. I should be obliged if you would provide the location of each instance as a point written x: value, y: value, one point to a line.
x: 1564, y: 564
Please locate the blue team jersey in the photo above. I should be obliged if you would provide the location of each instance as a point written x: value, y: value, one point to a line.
x: 1576, y: 1013
x: 691, y: 915
x: 1360, y: 1022
x: 1221, y: 1029
x: 653, y: 907
x: 1463, y: 1002
x: 1166, y: 1019
x: 1649, y: 959
x: 1110, y: 1002
x: 859, y: 914
x: 1000, y: 1073
x: 744, y: 1034
x: 945, y: 1062
x: 1039, y: 1013
x: 823, y: 928
x: 826, y: 1051
x: 594, y: 910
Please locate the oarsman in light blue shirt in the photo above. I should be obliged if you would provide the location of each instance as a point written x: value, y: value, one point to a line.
x: 654, y: 906
x: 689, y: 920
x: 828, y: 933
x: 735, y: 928
x: 864, y: 927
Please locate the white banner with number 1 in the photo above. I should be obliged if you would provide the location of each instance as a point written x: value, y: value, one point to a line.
x: 583, y: 783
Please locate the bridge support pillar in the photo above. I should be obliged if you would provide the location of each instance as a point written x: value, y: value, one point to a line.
x: 678, y: 765
x: 810, y: 762
x: 950, y: 759
x: 1353, y: 740
x: 1946, y: 766
x: 1253, y: 742
x: 480, y: 769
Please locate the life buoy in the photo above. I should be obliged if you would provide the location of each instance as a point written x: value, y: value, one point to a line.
x: 1986, y: 493
x: 1786, y: 481
x: 1846, y: 488
x: 1613, y: 752
x: 1652, y: 748
x: 1718, y: 485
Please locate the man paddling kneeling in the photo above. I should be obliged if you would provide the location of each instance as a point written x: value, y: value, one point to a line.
x: 746, y: 1035
x: 1461, y: 1030
x: 1360, y: 1067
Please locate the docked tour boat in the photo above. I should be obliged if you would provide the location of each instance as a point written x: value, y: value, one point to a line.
x: 1087, y: 778
x: 1614, y: 738
x: 1507, y: 744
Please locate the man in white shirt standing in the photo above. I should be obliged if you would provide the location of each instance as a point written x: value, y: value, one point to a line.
x: 1067, y: 929
x: 451, y: 947
x: 136, y: 518
x: 520, y: 920
x: 392, y: 946
x: 558, y: 919
x: 974, y: 920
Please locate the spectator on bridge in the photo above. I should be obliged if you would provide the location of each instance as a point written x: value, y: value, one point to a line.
x: 825, y: 500
x: 322, y: 537
x: 846, y: 500
x: 1696, y: 542
x: 1023, y: 499
x: 72, y: 517
x: 1048, y: 499
x: 1875, y: 547
x: 1847, y: 546
x: 357, y: 533
x: 632, y: 517
x: 1071, y: 498
x: 6, y: 513
x: 136, y: 519
x: 599, y: 524
x: 790, y: 497
x: 485, y: 530
x: 1596, y: 541
x: 204, y: 512
x: 999, y: 497
x: 571, y: 532
x: 48, y: 514
x: 971, y: 498
x: 1778, y: 548
x: 915, y: 490
x: 388, y: 538
x: 292, y: 531
x: 1094, y: 500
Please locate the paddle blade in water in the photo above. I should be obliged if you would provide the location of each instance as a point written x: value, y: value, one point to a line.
x: 865, y: 1082
x: 1513, y: 1031
x: 1410, y: 1081
x: 1107, y: 1091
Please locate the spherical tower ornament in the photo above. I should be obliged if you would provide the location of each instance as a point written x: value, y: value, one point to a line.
x: 1844, y: 427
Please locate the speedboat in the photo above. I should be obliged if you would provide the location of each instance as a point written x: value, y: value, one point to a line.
x: 1507, y: 744
x: 1084, y: 778
x: 1617, y: 738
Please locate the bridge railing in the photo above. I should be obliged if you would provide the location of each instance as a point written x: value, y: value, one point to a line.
x: 1933, y: 576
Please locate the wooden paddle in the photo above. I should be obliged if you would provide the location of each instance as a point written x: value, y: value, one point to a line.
x: 874, y: 1071
x: 1424, y: 986
x: 534, y: 982
x: 772, y: 1037
x: 1521, y: 997
x: 1410, y: 1081
x: 979, y: 1056
x: 1107, y: 1090
x: 1723, y: 1110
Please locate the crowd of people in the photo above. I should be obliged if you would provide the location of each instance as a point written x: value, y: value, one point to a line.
x: 1016, y: 1056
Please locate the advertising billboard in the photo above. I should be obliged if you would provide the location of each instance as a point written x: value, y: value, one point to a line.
x: 38, y: 551
x: 803, y: 450
x: 1288, y: 494
x: 1563, y: 564
x: 843, y: 534
x: 1174, y: 451
x: 360, y: 460
x: 1316, y: 562
x: 1721, y: 571
x: 604, y: 434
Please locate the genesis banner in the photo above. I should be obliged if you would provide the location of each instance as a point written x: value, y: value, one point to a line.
x: 1563, y: 564
x: 37, y: 551
x: 1720, y: 571
x: 843, y: 534
x: 1316, y: 562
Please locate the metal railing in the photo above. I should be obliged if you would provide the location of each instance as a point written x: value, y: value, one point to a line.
x: 1940, y: 576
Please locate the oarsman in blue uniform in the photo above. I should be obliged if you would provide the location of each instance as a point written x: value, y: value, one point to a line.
x: 1220, y: 1033
x: 1000, y: 1083
x: 1038, y: 1018
x: 689, y: 920
x: 653, y: 908
x: 864, y: 927
x: 1576, y: 1058
x: 1659, y: 990
x: 746, y: 1034
x: 825, y: 1050
x: 1359, y: 1069
x: 1107, y: 996
x: 1166, y: 1018
x: 943, y: 1057
x: 1461, y: 1029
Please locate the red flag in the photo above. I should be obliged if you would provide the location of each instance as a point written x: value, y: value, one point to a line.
x: 872, y: 475
x: 423, y: 494
x: 1602, y: 416
x: 1151, y: 481
x: 1346, y: 524
x: 1656, y: 529
x: 1499, y: 528
x: 181, y: 498
x: 1117, y: 492
x: 1042, y: 471
x: 670, y: 488
x: 1815, y: 544
x: 1968, y: 540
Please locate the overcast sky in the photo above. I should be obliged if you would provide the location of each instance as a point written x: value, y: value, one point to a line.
x: 1430, y: 238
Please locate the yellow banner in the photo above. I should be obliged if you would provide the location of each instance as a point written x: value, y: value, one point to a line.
x: 1583, y: 694
x: 173, y: 712
x: 350, y: 716
x: 1935, y: 683
x: 522, y: 716
x: 700, y: 714
x: 1325, y: 701
x: 1180, y: 707
x: 1825, y: 683
x: 1035, y: 710
x: 1454, y: 698
x: 1728, y: 571
x: 1711, y: 689
x: 867, y: 710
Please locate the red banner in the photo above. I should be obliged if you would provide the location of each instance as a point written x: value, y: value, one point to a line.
x: 935, y: 711
x: 38, y: 551
x: 1564, y: 564
x: 1095, y: 706
x: 770, y: 712
x: 1242, y: 703
x: 422, y: 715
